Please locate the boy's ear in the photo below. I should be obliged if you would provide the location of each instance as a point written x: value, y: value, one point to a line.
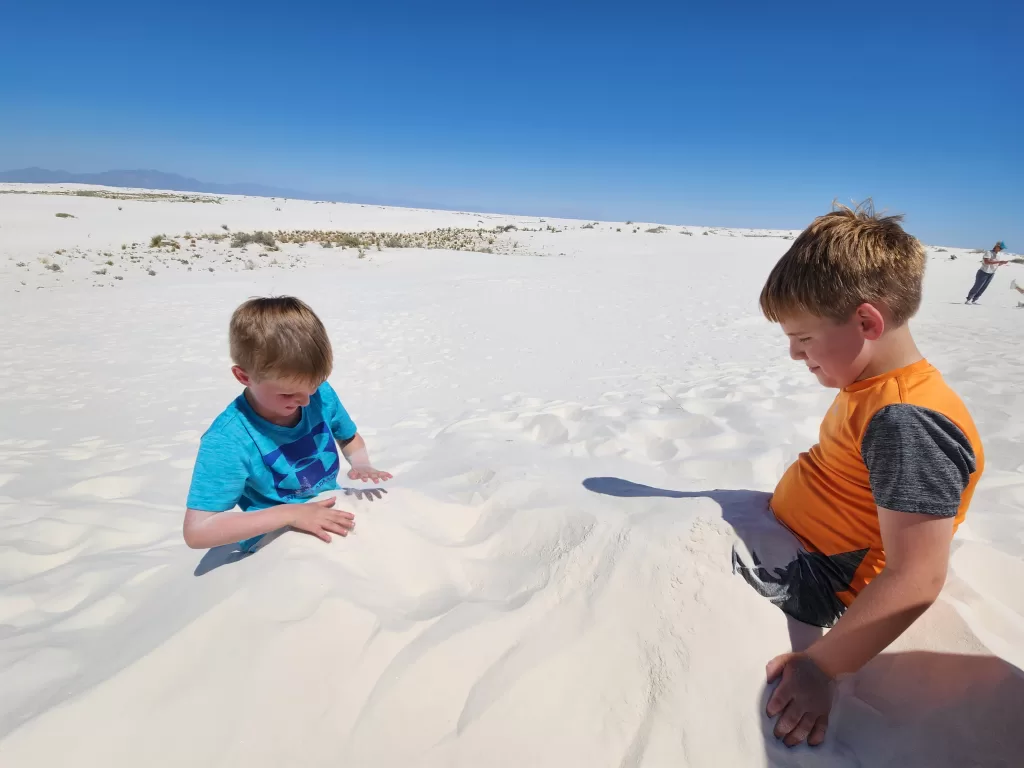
x: 871, y: 321
x: 239, y: 373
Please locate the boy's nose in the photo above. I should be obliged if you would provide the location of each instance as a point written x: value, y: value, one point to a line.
x: 303, y: 400
x: 795, y: 352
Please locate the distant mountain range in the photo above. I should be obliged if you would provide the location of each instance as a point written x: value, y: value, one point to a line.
x: 176, y: 183
x: 148, y: 180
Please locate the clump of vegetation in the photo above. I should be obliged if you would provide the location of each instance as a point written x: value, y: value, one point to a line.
x: 156, y: 241
x: 506, y: 228
x: 250, y: 264
x: 65, y: 216
x: 629, y: 223
x: 362, y: 254
x: 151, y: 272
x: 349, y: 240
x: 587, y: 226
x: 173, y: 197
x: 54, y: 267
x: 686, y: 232
x: 657, y: 230
x: 215, y: 237
x: 110, y: 262
x: 102, y: 271
x: 242, y: 239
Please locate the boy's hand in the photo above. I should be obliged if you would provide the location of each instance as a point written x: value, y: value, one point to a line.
x: 321, y: 519
x: 801, y: 700
x: 368, y: 473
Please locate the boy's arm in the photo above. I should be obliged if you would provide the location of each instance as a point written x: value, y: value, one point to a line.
x: 204, y: 530
x: 917, y: 555
x: 916, y: 550
x: 355, y: 453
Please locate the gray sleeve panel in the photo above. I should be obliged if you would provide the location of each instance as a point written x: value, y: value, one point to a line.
x: 918, y: 460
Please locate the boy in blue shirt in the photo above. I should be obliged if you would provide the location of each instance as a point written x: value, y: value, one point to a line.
x: 274, y: 448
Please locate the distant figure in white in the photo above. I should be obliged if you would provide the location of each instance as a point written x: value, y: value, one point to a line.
x: 990, y: 262
x: 1018, y: 289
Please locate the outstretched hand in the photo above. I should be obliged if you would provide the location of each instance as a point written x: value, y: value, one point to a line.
x: 802, y: 700
x: 321, y: 519
x: 366, y: 474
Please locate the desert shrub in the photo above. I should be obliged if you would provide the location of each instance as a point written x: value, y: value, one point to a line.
x: 657, y: 230
x: 242, y: 239
x: 349, y: 240
x: 156, y: 241
x: 64, y: 216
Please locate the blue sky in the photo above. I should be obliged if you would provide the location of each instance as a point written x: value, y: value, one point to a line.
x: 729, y: 114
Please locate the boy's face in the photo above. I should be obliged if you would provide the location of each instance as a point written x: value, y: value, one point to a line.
x: 837, y: 353
x: 277, y: 400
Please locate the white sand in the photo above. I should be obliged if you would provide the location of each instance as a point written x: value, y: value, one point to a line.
x: 491, y: 610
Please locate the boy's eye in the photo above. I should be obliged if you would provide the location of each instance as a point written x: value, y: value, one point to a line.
x: 804, y: 340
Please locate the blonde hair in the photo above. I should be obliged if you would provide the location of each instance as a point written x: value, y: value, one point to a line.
x: 280, y: 337
x: 846, y: 258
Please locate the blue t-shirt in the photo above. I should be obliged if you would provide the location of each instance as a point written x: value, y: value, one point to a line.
x: 248, y: 462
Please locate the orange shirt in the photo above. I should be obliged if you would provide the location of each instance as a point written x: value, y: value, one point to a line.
x: 903, y: 441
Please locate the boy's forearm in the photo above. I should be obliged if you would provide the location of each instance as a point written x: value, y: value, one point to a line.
x: 880, y: 614
x: 229, y: 527
x: 355, y: 452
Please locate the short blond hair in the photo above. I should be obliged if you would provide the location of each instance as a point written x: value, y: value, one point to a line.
x: 846, y: 258
x: 280, y: 337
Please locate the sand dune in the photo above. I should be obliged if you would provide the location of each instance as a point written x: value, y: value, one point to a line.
x: 577, y: 425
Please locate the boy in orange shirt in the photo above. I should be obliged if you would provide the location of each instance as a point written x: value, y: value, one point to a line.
x: 871, y: 509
